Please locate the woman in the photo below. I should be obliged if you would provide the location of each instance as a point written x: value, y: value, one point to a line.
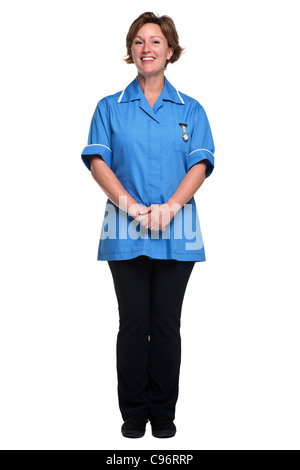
x: 150, y: 148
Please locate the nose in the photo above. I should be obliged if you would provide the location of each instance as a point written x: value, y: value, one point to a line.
x: 146, y: 48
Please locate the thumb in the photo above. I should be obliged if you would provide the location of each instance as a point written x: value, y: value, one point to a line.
x: 146, y: 210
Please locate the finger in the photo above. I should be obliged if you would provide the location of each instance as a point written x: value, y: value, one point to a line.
x: 149, y: 221
x: 160, y: 219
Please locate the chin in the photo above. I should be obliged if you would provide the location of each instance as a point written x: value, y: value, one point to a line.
x: 148, y: 72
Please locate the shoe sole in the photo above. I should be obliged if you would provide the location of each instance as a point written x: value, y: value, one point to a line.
x: 163, y: 434
x: 132, y: 434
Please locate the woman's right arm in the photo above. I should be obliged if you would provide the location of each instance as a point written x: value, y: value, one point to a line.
x: 113, y: 188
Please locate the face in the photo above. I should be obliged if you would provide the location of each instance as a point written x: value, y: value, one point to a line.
x: 150, y: 50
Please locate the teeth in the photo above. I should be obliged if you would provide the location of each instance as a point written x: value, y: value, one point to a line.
x: 147, y: 58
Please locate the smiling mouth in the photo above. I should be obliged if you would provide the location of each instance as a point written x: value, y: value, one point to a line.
x: 148, y: 59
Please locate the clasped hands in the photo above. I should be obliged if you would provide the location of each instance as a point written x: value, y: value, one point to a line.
x: 154, y: 217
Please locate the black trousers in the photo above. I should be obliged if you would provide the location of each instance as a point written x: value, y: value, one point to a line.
x: 150, y: 294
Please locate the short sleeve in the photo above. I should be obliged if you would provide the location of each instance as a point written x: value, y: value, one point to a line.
x: 202, y: 144
x: 99, y: 138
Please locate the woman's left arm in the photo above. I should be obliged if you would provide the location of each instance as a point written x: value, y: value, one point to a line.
x: 188, y: 186
x: 162, y: 214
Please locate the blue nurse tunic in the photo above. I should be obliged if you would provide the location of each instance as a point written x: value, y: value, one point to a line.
x: 150, y: 151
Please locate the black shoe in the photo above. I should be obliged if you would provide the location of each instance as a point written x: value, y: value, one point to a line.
x: 134, y: 427
x: 163, y: 427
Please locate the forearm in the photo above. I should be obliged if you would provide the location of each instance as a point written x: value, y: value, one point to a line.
x: 188, y: 186
x: 110, y: 184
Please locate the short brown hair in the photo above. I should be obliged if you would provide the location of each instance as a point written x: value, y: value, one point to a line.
x: 168, y: 28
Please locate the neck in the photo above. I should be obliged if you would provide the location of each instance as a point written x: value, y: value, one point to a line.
x: 152, y: 85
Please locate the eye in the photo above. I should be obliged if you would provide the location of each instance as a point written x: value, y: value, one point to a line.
x: 156, y: 42
x: 138, y: 42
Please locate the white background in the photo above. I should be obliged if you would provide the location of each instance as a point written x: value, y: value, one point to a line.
x: 240, y: 383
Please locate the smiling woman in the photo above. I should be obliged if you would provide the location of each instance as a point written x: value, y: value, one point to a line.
x: 150, y: 148
x: 166, y: 28
x: 150, y: 51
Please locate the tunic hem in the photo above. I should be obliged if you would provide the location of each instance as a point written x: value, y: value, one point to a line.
x: 134, y: 254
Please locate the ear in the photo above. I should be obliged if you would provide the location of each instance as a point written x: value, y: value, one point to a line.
x: 170, y: 53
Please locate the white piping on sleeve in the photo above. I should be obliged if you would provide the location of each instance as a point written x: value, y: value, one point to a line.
x: 199, y: 150
x: 180, y: 97
x: 100, y: 145
x: 121, y: 96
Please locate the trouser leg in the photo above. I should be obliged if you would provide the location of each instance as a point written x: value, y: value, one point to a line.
x: 132, y: 281
x: 168, y: 285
